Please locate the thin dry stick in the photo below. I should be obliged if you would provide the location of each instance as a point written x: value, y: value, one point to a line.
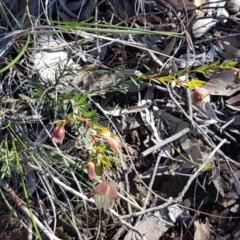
x: 191, y: 179
x: 164, y: 205
x: 22, y: 206
x: 29, y: 234
x: 152, y: 179
x: 150, y: 185
x: 155, y: 59
x: 82, y: 196
x: 166, y: 141
x: 212, y: 145
x: 189, y: 97
x: 119, y: 233
x: 193, y: 124
x: 129, y: 226
x: 181, y: 195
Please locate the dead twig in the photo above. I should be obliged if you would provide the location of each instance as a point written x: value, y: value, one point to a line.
x: 23, y: 208
x: 191, y: 179
x: 166, y: 141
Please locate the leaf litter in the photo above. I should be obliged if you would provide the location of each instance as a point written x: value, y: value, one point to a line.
x: 179, y: 149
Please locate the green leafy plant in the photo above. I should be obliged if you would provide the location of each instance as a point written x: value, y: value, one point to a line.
x: 174, y: 78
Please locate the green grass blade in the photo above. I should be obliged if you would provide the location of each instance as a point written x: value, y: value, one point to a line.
x: 2, y: 9
x: 25, y: 192
x: 108, y: 28
x: 11, y: 64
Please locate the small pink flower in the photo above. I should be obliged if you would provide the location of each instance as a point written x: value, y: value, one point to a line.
x: 114, y: 145
x: 58, y: 135
x: 104, y: 195
x: 201, y: 95
x: 91, y: 170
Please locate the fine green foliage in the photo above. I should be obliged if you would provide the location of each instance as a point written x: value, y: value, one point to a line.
x: 174, y: 78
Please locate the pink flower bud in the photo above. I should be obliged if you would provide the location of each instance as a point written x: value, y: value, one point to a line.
x: 91, y: 170
x: 201, y: 95
x: 58, y: 135
x: 112, y: 143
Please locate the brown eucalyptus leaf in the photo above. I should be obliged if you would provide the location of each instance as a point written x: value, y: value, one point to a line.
x: 151, y: 226
x: 93, y: 80
x: 218, y: 181
x: 233, y: 5
x: 122, y: 8
x: 222, y: 84
x: 46, y: 61
x: 234, y: 103
x: 65, y: 8
x: 208, y: 110
x: 125, y: 124
x: 230, y: 50
x: 232, y: 195
x: 201, y: 26
x: 201, y: 230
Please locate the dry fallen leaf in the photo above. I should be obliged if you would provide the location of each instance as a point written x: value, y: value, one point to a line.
x: 200, y: 13
x: 218, y: 182
x: 222, y: 84
x: 201, y: 230
x: 201, y: 26
x: 151, y: 226
x: 233, y: 5
x: 93, y: 80
x: 234, y: 103
x: 230, y: 50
